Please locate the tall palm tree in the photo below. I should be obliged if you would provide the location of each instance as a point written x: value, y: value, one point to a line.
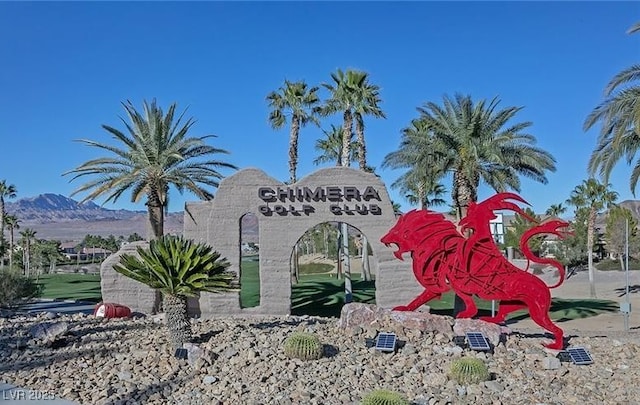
x: 155, y: 154
x: 6, y: 191
x: 330, y: 147
x: 555, y: 210
x: 593, y: 196
x: 619, y: 117
x: 12, y: 223
x: 424, y: 163
x: 300, y: 103
x: 178, y: 268
x: 352, y: 94
x: 477, y: 142
x: 27, y: 238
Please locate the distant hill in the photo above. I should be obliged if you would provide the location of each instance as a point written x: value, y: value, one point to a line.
x: 56, y: 217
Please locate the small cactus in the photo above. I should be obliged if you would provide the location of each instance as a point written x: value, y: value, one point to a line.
x: 469, y: 370
x: 303, y: 346
x: 383, y: 397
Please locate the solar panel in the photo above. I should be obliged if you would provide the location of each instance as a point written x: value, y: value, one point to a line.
x: 386, y: 342
x: 580, y: 356
x: 477, y: 341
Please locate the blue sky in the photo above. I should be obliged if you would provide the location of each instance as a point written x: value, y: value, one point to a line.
x: 66, y: 67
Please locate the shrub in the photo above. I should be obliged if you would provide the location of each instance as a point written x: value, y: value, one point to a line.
x: 469, y: 370
x: 613, y: 265
x: 384, y: 397
x: 303, y: 346
x: 14, y: 288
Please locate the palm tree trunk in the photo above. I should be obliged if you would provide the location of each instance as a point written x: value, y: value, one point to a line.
x: 295, y: 271
x: 177, y: 318
x: 422, y: 195
x: 347, y: 124
x: 590, y: 229
x: 366, y: 270
x: 463, y: 193
x: 11, y: 248
x: 362, y: 148
x: 293, y: 148
x: 346, y: 263
x: 156, y: 216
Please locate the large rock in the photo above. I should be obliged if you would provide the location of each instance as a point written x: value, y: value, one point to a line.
x: 366, y: 315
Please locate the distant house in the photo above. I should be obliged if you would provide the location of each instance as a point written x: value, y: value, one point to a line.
x: 497, y: 228
x: 90, y: 253
x: 86, y: 253
x: 69, y: 249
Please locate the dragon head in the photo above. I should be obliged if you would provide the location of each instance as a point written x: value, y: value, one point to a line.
x: 406, y: 233
x: 399, y: 235
x: 555, y: 227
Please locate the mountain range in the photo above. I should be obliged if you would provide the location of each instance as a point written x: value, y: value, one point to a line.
x: 54, y: 216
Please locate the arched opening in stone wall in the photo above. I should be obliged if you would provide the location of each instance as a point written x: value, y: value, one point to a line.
x: 318, y: 274
x: 249, y: 261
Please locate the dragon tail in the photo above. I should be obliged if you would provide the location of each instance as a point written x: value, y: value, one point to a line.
x: 545, y: 228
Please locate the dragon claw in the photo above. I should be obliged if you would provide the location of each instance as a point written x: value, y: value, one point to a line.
x: 401, y: 308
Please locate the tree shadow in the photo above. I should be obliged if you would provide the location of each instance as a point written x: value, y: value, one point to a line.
x: 326, y: 298
x: 622, y: 291
x: 563, y: 310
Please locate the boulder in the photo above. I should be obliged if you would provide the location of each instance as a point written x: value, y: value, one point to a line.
x: 357, y: 314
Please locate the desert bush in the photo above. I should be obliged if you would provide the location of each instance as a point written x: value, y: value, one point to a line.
x: 16, y: 288
x: 469, y: 370
x: 303, y: 346
x: 384, y: 397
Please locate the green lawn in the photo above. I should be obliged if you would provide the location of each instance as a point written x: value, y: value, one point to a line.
x: 249, y: 284
x: 85, y: 287
x: 320, y: 294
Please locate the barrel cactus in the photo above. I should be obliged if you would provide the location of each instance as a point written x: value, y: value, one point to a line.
x: 384, y: 397
x: 469, y: 370
x: 304, y: 346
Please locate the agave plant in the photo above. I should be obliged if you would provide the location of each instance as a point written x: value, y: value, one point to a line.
x: 178, y: 268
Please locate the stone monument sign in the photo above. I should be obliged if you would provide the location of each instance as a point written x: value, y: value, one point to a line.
x: 284, y: 212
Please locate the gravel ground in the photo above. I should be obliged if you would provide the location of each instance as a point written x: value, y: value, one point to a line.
x: 241, y: 361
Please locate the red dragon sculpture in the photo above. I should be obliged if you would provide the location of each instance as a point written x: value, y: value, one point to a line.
x: 444, y: 259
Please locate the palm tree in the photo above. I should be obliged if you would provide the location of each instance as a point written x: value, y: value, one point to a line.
x: 555, y: 210
x: 593, y: 196
x: 6, y: 191
x: 12, y: 223
x: 424, y: 163
x: 27, y: 237
x: 330, y: 147
x: 178, y: 268
x: 299, y: 102
x: 156, y: 154
x: 619, y: 116
x: 477, y: 142
x: 354, y: 96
